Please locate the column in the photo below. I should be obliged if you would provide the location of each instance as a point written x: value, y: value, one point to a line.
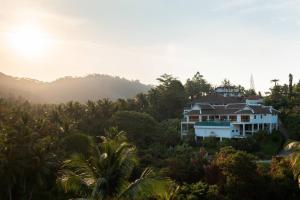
x: 252, y: 130
x: 181, y: 130
x: 270, y: 128
x: 244, y: 130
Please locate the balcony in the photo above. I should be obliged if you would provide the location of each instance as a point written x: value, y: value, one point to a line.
x: 213, y: 123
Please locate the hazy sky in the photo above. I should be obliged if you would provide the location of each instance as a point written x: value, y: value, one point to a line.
x: 142, y: 39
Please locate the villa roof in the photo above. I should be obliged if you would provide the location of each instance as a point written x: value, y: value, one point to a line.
x: 235, y: 106
x: 244, y: 112
x: 193, y: 112
x: 240, y: 108
x: 216, y: 99
x: 206, y: 106
x: 254, y: 97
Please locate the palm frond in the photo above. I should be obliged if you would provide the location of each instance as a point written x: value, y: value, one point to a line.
x: 148, y: 185
x: 76, y: 176
x: 79, y: 166
x: 71, y: 182
x: 100, y: 189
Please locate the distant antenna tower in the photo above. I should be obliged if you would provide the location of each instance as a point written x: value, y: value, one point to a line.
x: 252, y: 86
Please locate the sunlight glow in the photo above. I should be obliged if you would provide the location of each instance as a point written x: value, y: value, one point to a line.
x: 29, y: 40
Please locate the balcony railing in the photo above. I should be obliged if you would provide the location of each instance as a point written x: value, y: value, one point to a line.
x: 213, y: 123
x: 245, y: 120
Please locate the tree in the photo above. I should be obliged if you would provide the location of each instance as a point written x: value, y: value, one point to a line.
x: 106, y: 174
x: 141, y: 128
x: 249, y: 92
x: 294, y: 158
x: 185, y: 165
x: 275, y: 81
x: 169, y: 132
x: 290, y: 86
x: 197, y: 190
x: 167, y: 99
x: 141, y: 100
x: 28, y: 157
x: 278, y: 97
x: 283, y: 185
x: 226, y: 83
x: 240, y: 172
x: 197, y: 87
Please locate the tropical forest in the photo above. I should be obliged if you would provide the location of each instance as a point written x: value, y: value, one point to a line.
x: 131, y: 148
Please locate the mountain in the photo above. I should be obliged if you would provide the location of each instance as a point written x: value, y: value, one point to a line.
x: 91, y: 87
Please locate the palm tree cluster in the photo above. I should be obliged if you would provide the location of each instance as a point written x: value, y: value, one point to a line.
x: 106, y: 172
x: 43, y: 155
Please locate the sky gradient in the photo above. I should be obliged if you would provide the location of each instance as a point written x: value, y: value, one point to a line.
x: 141, y: 39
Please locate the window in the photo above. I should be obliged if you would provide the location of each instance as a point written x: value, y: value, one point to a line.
x: 261, y: 116
x: 254, y: 116
x: 232, y: 131
x: 236, y: 130
x: 245, y: 118
x: 233, y: 118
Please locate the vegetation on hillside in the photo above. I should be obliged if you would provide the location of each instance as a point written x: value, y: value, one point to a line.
x: 82, y: 89
x: 131, y: 149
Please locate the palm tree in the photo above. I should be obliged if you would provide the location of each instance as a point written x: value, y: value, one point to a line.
x: 105, y: 175
x: 275, y: 81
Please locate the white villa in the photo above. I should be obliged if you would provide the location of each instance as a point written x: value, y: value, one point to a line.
x: 228, y: 91
x: 228, y: 117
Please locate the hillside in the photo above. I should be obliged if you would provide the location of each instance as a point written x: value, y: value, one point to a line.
x: 91, y: 87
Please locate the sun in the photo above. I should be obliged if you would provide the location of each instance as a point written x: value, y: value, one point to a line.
x: 29, y: 41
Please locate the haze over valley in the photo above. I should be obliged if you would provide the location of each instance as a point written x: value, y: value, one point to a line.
x: 91, y: 87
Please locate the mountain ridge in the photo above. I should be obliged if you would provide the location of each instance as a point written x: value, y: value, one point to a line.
x: 68, y: 88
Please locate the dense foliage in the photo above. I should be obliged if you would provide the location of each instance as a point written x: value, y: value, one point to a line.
x: 74, y: 150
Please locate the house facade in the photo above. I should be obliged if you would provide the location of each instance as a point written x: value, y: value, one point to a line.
x: 228, y: 91
x: 228, y: 120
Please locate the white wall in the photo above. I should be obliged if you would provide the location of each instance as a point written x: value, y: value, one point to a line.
x: 267, y: 119
x: 220, y: 131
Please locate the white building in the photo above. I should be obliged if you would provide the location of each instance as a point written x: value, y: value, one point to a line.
x: 228, y: 91
x: 254, y: 100
x: 233, y: 120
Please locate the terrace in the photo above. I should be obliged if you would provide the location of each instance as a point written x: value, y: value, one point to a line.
x: 213, y: 123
